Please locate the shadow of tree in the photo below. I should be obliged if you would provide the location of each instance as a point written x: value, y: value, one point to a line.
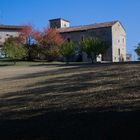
x: 93, y: 103
x: 74, y: 125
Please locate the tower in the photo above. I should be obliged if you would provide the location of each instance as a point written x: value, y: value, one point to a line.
x: 59, y: 23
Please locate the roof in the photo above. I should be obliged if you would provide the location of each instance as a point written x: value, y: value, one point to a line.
x: 59, y: 19
x: 87, y: 27
x: 10, y: 27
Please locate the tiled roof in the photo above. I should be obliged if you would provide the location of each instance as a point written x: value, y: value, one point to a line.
x: 87, y: 27
x: 10, y: 27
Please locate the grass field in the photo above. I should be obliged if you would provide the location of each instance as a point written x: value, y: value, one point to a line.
x: 74, y: 102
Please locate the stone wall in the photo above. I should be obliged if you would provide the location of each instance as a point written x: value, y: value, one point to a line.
x: 101, y: 33
x: 118, y: 43
x: 4, y: 34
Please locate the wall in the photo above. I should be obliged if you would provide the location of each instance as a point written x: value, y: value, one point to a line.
x: 102, y: 33
x: 55, y: 24
x: 64, y: 24
x: 4, y: 34
x: 118, y: 42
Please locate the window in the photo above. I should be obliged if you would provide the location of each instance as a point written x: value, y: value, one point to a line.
x: 119, y: 52
x: 123, y: 40
x: 118, y: 41
x: 82, y: 38
x: 68, y: 39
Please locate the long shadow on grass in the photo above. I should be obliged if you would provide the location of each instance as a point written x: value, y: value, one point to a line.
x: 68, y: 114
x: 75, y: 89
x: 74, y: 125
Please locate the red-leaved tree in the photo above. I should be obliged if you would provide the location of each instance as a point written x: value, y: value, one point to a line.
x: 41, y: 43
x: 49, y: 40
x: 27, y: 38
x: 26, y: 34
x: 52, y: 37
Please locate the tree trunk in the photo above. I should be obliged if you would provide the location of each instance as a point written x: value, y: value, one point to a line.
x: 95, y: 58
x: 29, y: 54
x: 92, y: 60
x: 14, y: 62
x: 67, y: 60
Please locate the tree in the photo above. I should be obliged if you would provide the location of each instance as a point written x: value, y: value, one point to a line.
x: 137, y: 50
x: 26, y: 37
x: 26, y: 34
x: 51, y: 37
x: 41, y: 43
x: 67, y: 49
x: 14, y: 50
x: 94, y: 47
x: 49, y: 41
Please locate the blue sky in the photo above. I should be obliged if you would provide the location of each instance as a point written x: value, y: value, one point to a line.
x: 79, y: 12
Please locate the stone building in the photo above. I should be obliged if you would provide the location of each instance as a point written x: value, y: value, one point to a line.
x: 128, y: 57
x: 7, y: 31
x: 112, y: 32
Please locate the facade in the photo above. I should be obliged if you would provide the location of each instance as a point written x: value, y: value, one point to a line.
x: 112, y: 32
x: 7, y: 31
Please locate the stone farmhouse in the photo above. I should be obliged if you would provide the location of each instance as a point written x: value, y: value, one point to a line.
x: 112, y: 32
x: 7, y: 31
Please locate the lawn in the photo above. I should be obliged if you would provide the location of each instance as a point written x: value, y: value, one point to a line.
x: 74, y: 102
